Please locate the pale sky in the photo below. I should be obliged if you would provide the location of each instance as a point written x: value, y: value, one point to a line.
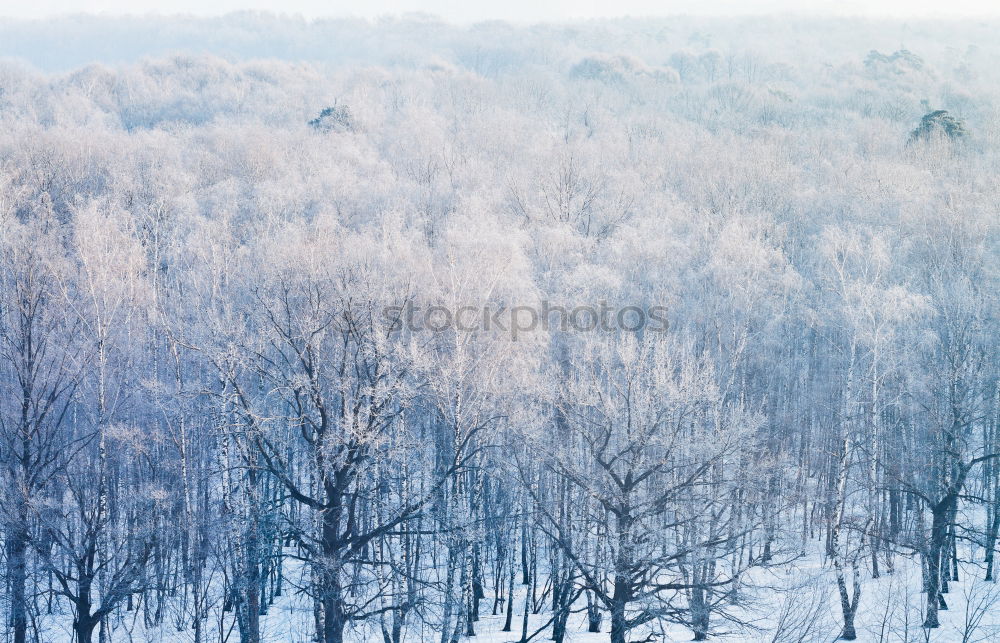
x: 514, y: 10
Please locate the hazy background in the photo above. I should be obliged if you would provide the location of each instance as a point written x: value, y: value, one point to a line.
x: 516, y: 10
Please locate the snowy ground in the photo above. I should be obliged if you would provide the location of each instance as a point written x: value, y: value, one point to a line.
x: 806, y: 609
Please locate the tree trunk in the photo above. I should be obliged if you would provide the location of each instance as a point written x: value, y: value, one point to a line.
x: 593, y: 614
x: 508, y: 621
x: 449, y: 596
x: 332, y: 591
x: 991, y: 535
x: 848, y: 604
x: 935, y: 558
x: 84, y: 628
x: 699, y: 614
x: 618, y: 624
x: 17, y: 547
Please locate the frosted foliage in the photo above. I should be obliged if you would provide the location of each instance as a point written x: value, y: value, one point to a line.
x: 627, y: 330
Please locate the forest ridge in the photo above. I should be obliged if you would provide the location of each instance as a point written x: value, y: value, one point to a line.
x: 218, y: 420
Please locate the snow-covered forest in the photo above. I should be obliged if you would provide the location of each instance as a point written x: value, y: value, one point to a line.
x: 399, y: 331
